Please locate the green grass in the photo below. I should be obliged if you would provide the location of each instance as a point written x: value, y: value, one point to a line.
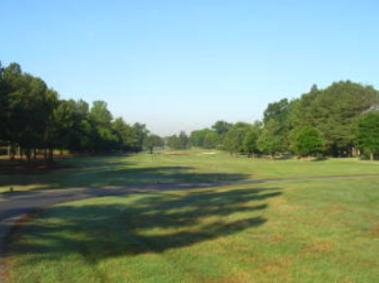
x: 304, y: 232
x: 316, y: 230
x: 172, y: 167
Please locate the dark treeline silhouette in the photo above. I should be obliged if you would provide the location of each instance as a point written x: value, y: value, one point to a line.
x: 35, y: 121
x: 341, y: 120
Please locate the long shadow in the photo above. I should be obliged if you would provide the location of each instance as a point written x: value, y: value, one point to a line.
x: 100, y: 172
x: 23, y: 167
x: 137, y: 224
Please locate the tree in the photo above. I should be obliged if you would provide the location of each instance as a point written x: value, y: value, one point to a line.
x: 270, y: 141
x: 211, y: 140
x: 103, y: 137
x: 308, y: 141
x: 250, y: 142
x: 180, y: 141
x: 153, y: 141
x: 234, y: 138
x: 280, y: 113
x: 140, y: 132
x: 277, y: 111
x: 183, y: 140
x: 100, y: 114
x: 197, y: 137
x: 28, y: 109
x: 4, y: 105
x: 302, y: 112
x: 368, y: 134
x: 126, y: 137
x: 221, y: 128
x: 32, y: 117
x: 335, y: 112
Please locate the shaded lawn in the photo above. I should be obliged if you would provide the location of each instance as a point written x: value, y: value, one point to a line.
x: 193, y: 166
x: 314, y: 231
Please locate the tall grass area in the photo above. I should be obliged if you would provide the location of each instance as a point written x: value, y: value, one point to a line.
x: 190, y: 166
x: 306, y: 231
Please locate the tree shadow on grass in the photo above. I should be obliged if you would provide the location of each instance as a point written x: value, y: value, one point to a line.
x: 41, y: 167
x: 101, y: 174
x: 141, y: 223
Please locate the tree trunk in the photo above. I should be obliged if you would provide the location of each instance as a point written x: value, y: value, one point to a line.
x: 354, y: 151
x: 45, y: 154
x: 51, y: 154
x: 371, y: 156
x: 12, y: 151
x: 28, y: 154
x: 35, y: 154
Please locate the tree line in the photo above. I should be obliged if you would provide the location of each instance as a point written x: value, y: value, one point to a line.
x: 35, y: 121
x: 341, y: 120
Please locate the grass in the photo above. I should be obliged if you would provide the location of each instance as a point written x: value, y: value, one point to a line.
x: 173, y: 167
x: 314, y: 230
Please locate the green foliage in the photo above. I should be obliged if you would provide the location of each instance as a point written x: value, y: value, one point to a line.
x: 308, y: 141
x: 197, y: 137
x: 235, y: 137
x: 180, y: 141
x: 277, y: 111
x: 32, y: 117
x: 125, y: 134
x: 334, y: 111
x: 153, y: 141
x: 250, y: 142
x: 221, y: 128
x: 205, y: 138
x: 270, y: 140
x: 368, y: 134
x: 211, y: 140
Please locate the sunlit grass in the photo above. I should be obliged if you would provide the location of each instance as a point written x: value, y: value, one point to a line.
x: 307, y: 231
x: 192, y: 166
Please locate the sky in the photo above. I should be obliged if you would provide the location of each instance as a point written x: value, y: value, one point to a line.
x: 182, y: 65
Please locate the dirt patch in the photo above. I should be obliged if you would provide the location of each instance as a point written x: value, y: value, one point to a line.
x: 237, y: 278
x: 279, y: 267
x: 5, y: 260
x: 375, y: 231
x: 334, y: 210
x: 318, y: 247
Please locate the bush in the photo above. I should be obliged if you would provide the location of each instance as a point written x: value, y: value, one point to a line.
x: 307, y: 141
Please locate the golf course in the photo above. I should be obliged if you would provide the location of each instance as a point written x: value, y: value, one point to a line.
x: 189, y: 141
x: 198, y: 216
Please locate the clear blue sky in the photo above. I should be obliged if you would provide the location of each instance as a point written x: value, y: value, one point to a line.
x: 184, y: 64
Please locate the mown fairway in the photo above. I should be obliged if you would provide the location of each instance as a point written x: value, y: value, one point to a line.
x: 190, y: 166
x: 301, y: 228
